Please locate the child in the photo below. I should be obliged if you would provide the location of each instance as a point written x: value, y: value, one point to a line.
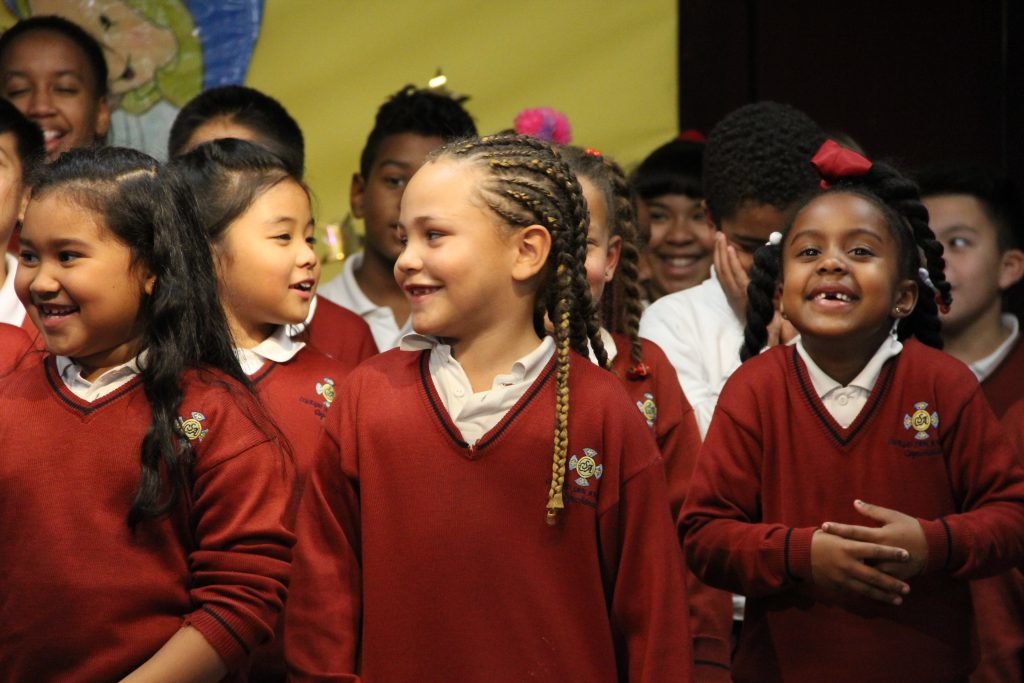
x: 840, y: 589
x: 446, y: 453
x: 21, y: 145
x: 977, y: 219
x: 54, y: 73
x: 408, y: 126
x: 246, y: 114
x: 649, y: 378
x: 179, y: 573
x: 257, y: 217
x: 681, y: 243
x: 755, y: 167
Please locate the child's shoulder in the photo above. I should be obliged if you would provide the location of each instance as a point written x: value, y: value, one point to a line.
x: 924, y: 360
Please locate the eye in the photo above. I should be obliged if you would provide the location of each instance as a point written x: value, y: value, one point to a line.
x: 283, y: 237
x: 311, y: 240
x: 67, y: 256
x: 659, y: 216
x: 959, y: 243
x: 394, y: 181
x: 861, y: 251
x: 27, y: 258
x: 808, y: 252
x: 66, y: 90
x: 434, y: 235
x: 13, y: 93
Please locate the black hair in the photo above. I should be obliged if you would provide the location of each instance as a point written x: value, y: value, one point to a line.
x: 622, y: 306
x: 227, y: 176
x: 70, y: 30
x: 674, y: 168
x: 271, y: 124
x: 152, y: 211
x: 759, y: 154
x: 996, y: 194
x: 906, y: 218
x: 421, y: 111
x: 27, y: 135
x: 527, y: 183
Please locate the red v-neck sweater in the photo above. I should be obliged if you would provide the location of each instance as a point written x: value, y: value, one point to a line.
x: 85, y: 599
x: 1005, y: 386
x: 775, y: 465
x: 661, y: 401
x: 15, y: 347
x: 461, y: 578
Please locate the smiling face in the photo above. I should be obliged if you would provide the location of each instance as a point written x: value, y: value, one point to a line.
x: 841, y: 279
x: 603, y: 249
x: 12, y: 187
x: 681, y: 243
x: 750, y: 228
x: 266, y: 267
x: 78, y: 284
x: 457, y: 264
x: 49, y: 79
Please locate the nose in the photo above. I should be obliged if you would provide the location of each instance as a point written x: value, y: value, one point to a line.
x: 306, y: 256
x: 408, y: 260
x: 43, y: 285
x: 680, y: 231
x: 832, y: 262
x: 40, y: 103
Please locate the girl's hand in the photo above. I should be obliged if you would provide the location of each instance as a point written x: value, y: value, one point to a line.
x: 780, y: 331
x: 898, y: 530
x: 731, y: 274
x: 845, y: 566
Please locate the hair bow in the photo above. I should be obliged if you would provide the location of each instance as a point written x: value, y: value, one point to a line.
x: 835, y: 162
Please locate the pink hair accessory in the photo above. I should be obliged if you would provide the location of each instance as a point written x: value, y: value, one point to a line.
x: 545, y: 123
x: 835, y: 162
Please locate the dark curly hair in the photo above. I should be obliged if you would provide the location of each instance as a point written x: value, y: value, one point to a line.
x: 421, y: 111
x: 674, y: 168
x: 759, y: 154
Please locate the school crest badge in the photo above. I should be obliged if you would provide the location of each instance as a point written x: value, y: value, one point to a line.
x: 586, y: 467
x: 326, y: 390
x: 648, y: 408
x: 921, y: 420
x: 192, y: 427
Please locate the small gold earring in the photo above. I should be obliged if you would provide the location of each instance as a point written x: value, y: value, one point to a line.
x: 899, y: 310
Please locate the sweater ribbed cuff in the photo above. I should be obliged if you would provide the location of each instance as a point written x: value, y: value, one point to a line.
x: 797, y: 552
x: 232, y: 638
x: 940, y: 544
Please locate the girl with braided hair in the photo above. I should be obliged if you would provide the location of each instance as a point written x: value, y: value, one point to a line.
x: 649, y: 378
x: 489, y: 498
x: 864, y: 407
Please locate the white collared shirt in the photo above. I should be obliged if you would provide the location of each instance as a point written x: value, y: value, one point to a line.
x: 476, y: 413
x: 344, y: 291
x: 298, y: 328
x: 278, y: 348
x: 11, y: 310
x: 984, y: 367
x: 116, y: 377
x: 844, y: 403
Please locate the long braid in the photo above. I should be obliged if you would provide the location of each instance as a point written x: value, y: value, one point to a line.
x: 529, y: 184
x: 764, y: 277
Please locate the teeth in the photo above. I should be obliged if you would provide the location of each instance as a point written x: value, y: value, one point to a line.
x: 57, y: 310
x: 50, y: 135
x: 680, y: 261
x: 836, y: 296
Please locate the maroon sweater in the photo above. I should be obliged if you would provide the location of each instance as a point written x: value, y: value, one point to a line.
x: 775, y: 465
x: 655, y: 390
x: 458, y: 575
x: 15, y: 346
x: 86, y: 599
x: 339, y: 333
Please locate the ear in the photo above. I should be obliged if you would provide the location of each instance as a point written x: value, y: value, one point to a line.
x: 149, y: 284
x: 777, y: 299
x: 532, y: 245
x: 102, y: 117
x: 1011, y: 268
x: 356, y: 194
x: 614, y: 254
x: 905, y: 299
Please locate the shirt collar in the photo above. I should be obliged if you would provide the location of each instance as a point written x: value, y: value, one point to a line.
x: 360, y: 303
x: 983, y: 367
x: 71, y: 372
x: 277, y: 348
x: 865, y: 379
x: 298, y: 328
x: 442, y: 353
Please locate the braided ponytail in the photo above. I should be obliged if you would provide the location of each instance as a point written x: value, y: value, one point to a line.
x: 764, y: 277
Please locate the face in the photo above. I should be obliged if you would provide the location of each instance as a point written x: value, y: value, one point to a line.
x: 265, y: 264
x: 974, y: 265
x: 603, y: 249
x: 134, y: 47
x: 457, y: 264
x: 78, y: 284
x: 12, y: 187
x: 49, y: 79
x: 750, y: 228
x: 681, y: 244
x: 841, y: 278
x: 377, y: 199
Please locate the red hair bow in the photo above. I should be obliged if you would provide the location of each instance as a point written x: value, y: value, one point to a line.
x: 835, y: 162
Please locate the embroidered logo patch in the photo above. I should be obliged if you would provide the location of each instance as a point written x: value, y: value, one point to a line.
x: 192, y: 428
x: 648, y: 409
x: 586, y: 467
x: 327, y: 391
x: 921, y: 421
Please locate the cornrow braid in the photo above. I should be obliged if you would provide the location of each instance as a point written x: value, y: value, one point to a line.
x: 764, y: 276
x: 528, y: 183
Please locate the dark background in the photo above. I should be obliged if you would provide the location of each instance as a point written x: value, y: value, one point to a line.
x: 912, y: 82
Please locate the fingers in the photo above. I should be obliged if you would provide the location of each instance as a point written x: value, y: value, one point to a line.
x: 876, y: 585
x: 853, y: 532
x: 877, y: 512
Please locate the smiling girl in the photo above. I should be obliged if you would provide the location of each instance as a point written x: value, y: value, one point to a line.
x: 143, y: 494
x: 850, y: 483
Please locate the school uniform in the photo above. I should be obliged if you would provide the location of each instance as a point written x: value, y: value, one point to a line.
x: 776, y: 464
x: 1000, y: 373
x: 336, y: 332
x: 344, y: 290
x: 86, y: 598
x: 458, y: 577
x: 15, y: 347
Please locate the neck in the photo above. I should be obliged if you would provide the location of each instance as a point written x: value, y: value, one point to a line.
x: 977, y: 338
x: 485, y: 356
x: 376, y: 277
x: 843, y: 360
x: 246, y: 335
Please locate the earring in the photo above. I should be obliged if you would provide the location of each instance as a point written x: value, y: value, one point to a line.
x: 898, y: 310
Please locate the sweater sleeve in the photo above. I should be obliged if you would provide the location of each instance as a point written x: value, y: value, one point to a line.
x: 241, y: 560
x: 987, y: 535
x: 726, y: 544
x: 322, y: 616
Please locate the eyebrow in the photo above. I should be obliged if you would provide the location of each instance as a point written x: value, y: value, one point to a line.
x: 58, y: 243
x: 11, y: 73
x: 395, y: 162
x: 814, y: 232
